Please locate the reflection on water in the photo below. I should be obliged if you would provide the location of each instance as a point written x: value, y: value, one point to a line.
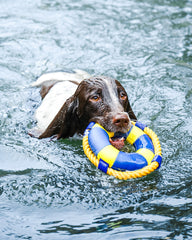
x: 49, y: 189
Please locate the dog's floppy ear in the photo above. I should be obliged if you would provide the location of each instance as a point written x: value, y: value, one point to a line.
x: 69, y: 123
x: 130, y: 112
x: 65, y: 122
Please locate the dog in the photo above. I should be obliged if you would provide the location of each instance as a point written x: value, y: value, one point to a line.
x: 71, y: 100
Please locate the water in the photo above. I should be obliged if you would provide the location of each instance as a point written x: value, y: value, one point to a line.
x: 49, y: 189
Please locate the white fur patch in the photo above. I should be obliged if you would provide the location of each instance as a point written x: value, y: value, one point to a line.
x: 114, y: 100
x: 52, y: 103
x: 78, y: 76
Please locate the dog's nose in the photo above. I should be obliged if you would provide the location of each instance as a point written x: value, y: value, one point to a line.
x: 121, y: 120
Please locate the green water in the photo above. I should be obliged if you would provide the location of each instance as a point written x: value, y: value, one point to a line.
x: 49, y: 189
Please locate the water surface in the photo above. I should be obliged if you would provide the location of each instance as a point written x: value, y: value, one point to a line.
x: 49, y: 189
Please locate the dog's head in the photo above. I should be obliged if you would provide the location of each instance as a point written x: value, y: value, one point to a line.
x: 99, y: 99
x: 105, y: 101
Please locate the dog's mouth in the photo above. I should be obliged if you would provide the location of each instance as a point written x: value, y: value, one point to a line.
x: 117, y: 142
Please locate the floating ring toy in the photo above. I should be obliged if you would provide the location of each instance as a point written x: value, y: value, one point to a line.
x: 121, y: 165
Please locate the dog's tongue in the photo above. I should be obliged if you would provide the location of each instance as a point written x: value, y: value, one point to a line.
x: 117, y: 142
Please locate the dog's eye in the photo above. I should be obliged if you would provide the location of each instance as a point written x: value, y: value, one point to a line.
x: 123, y: 96
x: 95, y: 98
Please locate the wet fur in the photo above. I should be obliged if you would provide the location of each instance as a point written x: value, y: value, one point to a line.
x: 81, y: 107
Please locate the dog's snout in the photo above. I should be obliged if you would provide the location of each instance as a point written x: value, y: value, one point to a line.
x: 121, y: 120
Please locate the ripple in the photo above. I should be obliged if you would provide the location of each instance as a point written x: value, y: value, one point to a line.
x: 49, y: 189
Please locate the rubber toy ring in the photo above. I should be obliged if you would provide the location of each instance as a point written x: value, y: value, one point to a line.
x: 122, y: 165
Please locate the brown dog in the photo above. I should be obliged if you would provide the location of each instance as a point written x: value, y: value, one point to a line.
x: 82, y: 99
